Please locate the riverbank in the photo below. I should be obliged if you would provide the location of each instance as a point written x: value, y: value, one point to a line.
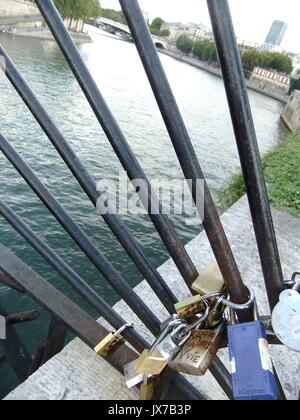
x: 282, y: 173
x: 79, y: 38
x: 217, y: 72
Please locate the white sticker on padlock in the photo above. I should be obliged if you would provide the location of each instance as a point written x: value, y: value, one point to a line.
x: 286, y: 319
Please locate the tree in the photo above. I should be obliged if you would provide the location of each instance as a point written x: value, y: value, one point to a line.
x: 205, y: 50
x: 157, y: 23
x: 164, y: 32
x: 185, y: 44
x: 78, y: 9
x: 115, y: 15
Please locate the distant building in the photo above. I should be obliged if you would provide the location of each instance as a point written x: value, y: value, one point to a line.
x: 271, y: 79
x: 276, y: 33
x: 195, y: 31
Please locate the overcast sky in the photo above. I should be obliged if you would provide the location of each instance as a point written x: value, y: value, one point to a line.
x: 252, y: 18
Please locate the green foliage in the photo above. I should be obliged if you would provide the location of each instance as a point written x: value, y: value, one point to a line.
x: 294, y: 85
x: 185, y: 44
x: 269, y: 60
x: 157, y: 24
x: 164, y: 33
x: 155, y: 28
x: 111, y: 14
x: 78, y: 9
x: 282, y: 173
x: 206, y: 51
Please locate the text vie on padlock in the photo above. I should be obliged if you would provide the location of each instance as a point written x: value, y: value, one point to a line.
x: 197, y: 354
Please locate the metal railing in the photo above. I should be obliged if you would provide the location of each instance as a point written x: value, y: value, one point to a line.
x: 65, y: 314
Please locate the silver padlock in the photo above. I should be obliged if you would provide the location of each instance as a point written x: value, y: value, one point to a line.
x: 286, y: 318
x: 171, y: 344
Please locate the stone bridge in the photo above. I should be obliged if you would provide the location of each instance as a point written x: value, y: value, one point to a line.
x: 159, y: 43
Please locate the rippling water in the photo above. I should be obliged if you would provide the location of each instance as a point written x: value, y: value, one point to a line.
x: 116, y: 67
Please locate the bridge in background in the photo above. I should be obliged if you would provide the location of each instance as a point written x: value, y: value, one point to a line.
x: 120, y: 27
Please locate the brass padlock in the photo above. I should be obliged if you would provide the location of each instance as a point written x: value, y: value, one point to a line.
x: 216, y: 314
x: 147, y: 388
x: 111, y: 341
x: 150, y: 362
x: 190, y: 307
x: 209, y: 281
x: 196, y: 356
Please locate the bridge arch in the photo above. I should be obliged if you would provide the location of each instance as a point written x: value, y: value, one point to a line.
x: 159, y: 44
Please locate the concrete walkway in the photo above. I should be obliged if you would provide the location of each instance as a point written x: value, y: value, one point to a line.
x: 77, y: 373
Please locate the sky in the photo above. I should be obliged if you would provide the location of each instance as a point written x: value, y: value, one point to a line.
x: 252, y: 18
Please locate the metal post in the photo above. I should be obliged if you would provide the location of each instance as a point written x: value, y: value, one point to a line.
x: 118, y: 140
x: 183, y: 147
x: 85, y: 244
x: 75, y: 281
x: 78, y: 321
x: 242, y: 120
x: 88, y: 184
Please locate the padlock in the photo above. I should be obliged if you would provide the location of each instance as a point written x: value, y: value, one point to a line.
x: 173, y: 320
x: 250, y: 361
x: 132, y: 377
x: 171, y: 344
x: 151, y: 361
x: 209, y: 281
x: 190, y: 307
x: 286, y: 319
x: 111, y: 341
x: 216, y: 315
x: 197, y: 354
x: 147, y: 388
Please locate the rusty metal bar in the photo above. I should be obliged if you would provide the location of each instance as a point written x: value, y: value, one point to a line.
x: 4, y: 279
x: 85, y: 244
x: 75, y: 281
x: 183, y: 147
x: 56, y: 339
x: 88, y: 184
x: 21, y: 317
x: 246, y: 139
x: 117, y: 139
x: 15, y: 352
x: 78, y: 321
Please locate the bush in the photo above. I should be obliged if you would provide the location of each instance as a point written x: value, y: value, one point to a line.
x: 185, y: 44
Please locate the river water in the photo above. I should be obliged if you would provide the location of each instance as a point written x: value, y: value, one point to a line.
x: 118, y: 72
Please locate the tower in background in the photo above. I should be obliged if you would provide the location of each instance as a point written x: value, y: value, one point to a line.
x: 276, y: 33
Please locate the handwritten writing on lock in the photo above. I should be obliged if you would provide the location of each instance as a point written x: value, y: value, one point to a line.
x: 2, y: 328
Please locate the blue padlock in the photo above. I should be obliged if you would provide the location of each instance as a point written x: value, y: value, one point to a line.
x: 251, y: 366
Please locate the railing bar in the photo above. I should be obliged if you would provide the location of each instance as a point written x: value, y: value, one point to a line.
x: 85, y: 327
x: 183, y: 147
x: 246, y: 139
x: 67, y: 273
x: 87, y: 183
x: 117, y: 139
x: 85, y: 244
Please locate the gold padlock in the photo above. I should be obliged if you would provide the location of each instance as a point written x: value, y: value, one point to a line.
x: 190, y: 307
x: 196, y: 356
x: 147, y: 389
x: 210, y: 281
x: 111, y: 341
x: 150, y: 363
